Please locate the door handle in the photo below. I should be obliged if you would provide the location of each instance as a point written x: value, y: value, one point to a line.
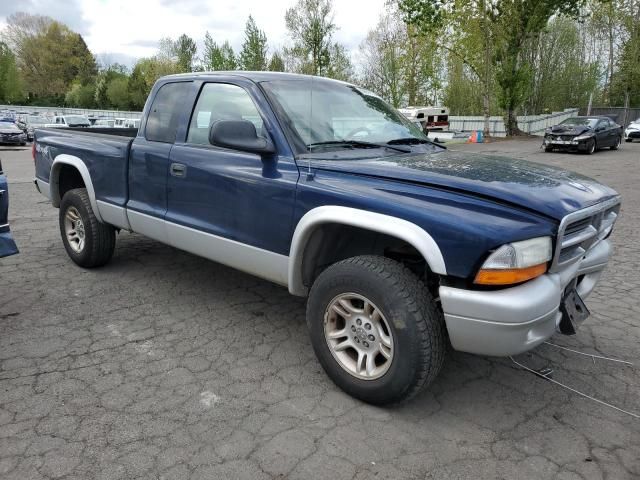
x: 178, y: 170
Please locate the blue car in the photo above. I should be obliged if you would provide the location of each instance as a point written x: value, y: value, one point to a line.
x: 7, y: 245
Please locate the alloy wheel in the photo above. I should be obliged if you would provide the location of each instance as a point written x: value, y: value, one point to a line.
x: 358, y: 336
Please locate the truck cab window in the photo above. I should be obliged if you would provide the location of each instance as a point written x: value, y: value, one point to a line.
x: 221, y: 101
x: 162, y: 122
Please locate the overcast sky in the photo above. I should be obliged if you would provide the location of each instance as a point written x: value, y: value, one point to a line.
x: 124, y: 30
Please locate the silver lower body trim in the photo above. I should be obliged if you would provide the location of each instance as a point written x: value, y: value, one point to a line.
x: 43, y: 188
x: 514, y: 320
x: 255, y: 261
x: 114, y: 215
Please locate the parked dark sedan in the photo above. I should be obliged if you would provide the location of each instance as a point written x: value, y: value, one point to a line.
x: 10, y: 133
x: 583, y: 134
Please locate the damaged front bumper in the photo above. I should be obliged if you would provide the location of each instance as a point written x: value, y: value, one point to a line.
x: 513, y: 320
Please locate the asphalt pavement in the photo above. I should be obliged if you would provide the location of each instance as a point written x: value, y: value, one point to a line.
x: 163, y: 365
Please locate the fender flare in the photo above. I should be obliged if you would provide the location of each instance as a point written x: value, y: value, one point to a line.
x: 64, y: 159
x: 377, y: 222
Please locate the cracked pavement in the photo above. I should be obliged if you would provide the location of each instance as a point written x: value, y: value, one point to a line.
x: 163, y: 365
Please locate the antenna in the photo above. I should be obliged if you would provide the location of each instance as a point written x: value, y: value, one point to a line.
x: 309, y: 174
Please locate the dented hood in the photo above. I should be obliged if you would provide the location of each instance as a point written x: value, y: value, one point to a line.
x: 551, y: 191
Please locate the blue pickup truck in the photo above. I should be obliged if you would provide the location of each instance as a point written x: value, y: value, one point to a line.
x: 400, y: 245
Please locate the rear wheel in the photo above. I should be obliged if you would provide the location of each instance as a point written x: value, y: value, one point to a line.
x: 89, y: 242
x: 616, y: 145
x: 376, y: 329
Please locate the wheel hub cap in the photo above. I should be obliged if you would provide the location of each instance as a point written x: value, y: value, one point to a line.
x: 74, y: 229
x: 358, y: 336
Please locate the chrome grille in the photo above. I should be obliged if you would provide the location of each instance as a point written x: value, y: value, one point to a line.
x: 582, y: 230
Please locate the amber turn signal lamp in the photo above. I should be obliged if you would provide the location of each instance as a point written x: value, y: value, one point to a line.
x: 509, y: 276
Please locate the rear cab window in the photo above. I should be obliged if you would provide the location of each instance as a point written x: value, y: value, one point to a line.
x: 166, y: 109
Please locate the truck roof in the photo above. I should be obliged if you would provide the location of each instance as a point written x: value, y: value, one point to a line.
x: 254, y: 76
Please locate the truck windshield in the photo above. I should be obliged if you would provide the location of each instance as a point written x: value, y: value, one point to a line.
x: 323, y: 114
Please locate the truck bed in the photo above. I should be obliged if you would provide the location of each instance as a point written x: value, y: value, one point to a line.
x: 104, y: 151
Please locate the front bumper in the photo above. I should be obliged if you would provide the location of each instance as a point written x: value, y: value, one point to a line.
x: 575, y: 145
x: 13, y: 140
x: 632, y: 134
x: 514, y: 320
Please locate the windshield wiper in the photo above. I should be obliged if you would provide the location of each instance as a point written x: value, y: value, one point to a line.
x: 409, y: 141
x: 357, y: 144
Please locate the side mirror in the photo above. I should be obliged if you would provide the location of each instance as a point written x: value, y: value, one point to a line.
x: 239, y: 135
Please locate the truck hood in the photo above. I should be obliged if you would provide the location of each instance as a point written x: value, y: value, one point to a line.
x: 551, y: 191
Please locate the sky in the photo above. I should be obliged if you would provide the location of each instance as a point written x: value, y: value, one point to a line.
x: 125, y: 30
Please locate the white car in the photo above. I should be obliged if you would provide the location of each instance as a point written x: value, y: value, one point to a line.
x: 64, y: 121
x: 632, y: 131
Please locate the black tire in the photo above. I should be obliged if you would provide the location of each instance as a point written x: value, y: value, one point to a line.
x: 617, y: 145
x: 99, y: 238
x: 628, y: 140
x: 22, y: 144
x: 548, y: 149
x: 591, y: 147
x: 416, y: 322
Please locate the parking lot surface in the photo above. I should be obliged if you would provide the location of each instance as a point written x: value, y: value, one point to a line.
x: 163, y: 365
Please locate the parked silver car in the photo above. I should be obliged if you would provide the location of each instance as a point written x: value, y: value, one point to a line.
x: 10, y: 133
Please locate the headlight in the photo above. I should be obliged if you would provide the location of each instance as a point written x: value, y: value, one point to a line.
x: 516, y: 262
x: 583, y: 137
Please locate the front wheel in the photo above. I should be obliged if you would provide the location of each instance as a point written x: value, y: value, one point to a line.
x: 590, y: 147
x: 376, y: 329
x: 89, y: 242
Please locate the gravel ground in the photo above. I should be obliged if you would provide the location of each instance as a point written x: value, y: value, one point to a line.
x: 166, y: 366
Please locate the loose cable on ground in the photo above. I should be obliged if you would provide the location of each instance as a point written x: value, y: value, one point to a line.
x: 546, y: 377
x: 589, y: 354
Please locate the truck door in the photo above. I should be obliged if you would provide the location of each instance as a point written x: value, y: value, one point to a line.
x: 221, y: 201
x: 149, y: 160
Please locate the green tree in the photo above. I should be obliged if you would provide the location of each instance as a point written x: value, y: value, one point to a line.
x: 340, y: 66
x: 104, y: 78
x: 253, y: 55
x: 562, y: 76
x: 145, y: 73
x: 49, y: 55
x: 506, y: 27
x: 118, y: 93
x: 381, y: 53
x: 311, y: 27
x: 218, y: 57
x: 626, y: 85
x: 276, y: 63
x: 465, y: 31
x: 80, y: 95
x: 185, y: 52
x: 10, y: 83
